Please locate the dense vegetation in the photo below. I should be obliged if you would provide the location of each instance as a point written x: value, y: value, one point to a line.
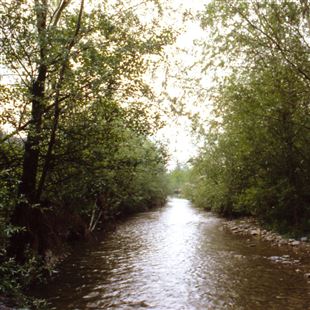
x: 256, y: 158
x: 76, y: 118
x: 178, y: 179
x: 76, y: 150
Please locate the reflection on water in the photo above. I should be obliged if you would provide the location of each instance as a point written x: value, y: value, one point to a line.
x: 176, y: 258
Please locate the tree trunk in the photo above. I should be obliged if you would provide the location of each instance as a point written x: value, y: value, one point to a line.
x: 26, y: 214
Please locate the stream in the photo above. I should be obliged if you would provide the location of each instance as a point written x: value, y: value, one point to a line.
x: 176, y: 257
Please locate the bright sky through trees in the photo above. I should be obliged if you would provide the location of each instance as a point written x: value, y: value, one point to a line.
x: 183, y: 55
x: 170, y: 78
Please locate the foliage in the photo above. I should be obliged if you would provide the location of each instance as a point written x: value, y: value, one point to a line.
x: 79, y: 116
x: 178, y: 179
x: 16, y: 278
x: 257, y: 155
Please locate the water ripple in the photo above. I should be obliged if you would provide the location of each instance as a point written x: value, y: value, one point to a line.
x: 176, y: 258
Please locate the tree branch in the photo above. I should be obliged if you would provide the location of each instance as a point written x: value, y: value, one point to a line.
x: 57, y: 103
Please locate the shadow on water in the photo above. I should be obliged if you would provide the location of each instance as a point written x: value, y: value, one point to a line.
x: 176, y: 257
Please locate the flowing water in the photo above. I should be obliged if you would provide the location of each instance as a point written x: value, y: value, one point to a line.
x: 175, y: 258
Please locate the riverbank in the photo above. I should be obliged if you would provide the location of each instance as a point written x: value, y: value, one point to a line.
x: 176, y: 257
x: 251, y: 228
x: 63, y: 239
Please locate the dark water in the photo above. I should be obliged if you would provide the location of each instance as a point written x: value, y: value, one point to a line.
x: 176, y: 258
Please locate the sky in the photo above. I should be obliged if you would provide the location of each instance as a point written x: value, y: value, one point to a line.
x: 177, y: 133
x: 182, y: 145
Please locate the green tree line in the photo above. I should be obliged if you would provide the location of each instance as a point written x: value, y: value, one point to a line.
x: 256, y: 158
x: 178, y: 179
x: 77, y: 151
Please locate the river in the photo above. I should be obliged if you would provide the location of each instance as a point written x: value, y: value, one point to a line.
x: 176, y: 257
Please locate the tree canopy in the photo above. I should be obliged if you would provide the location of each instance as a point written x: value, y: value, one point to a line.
x: 256, y: 155
x: 78, y: 113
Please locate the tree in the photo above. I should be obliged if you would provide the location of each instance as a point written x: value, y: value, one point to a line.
x: 70, y: 62
x: 255, y: 157
x: 178, y: 178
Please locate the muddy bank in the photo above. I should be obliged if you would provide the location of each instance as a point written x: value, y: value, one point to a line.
x: 65, y: 231
x: 299, y: 248
x: 251, y: 227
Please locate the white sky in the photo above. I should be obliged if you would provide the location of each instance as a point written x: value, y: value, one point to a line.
x: 177, y: 134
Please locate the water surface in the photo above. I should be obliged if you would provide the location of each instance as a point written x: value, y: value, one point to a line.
x: 175, y: 258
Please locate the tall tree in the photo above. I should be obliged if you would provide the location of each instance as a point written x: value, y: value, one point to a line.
x: 256, y: 153
x: 68, y: 60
